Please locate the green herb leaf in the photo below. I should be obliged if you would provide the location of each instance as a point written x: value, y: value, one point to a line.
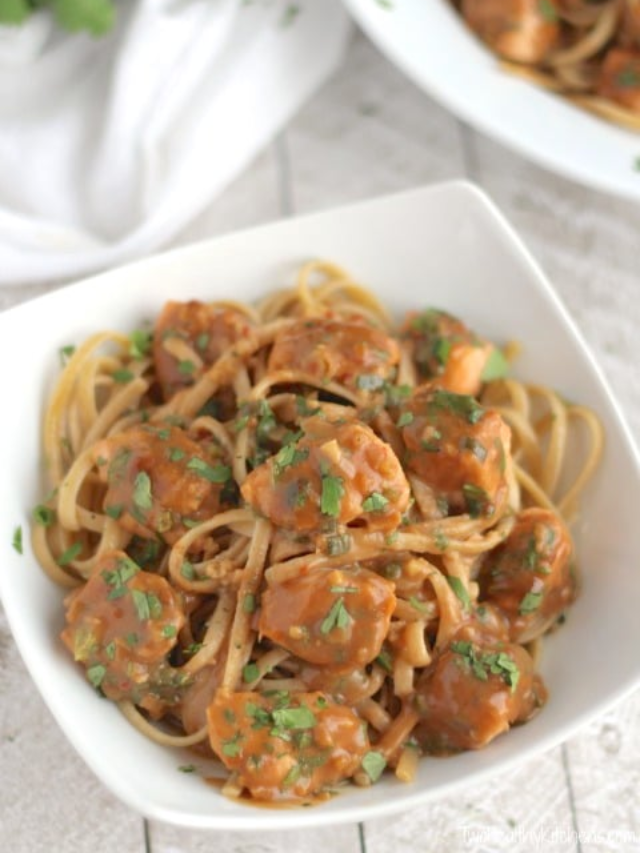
x: 187, y: 570
x: 44, y: 515
x: 114, y: 511
x: 405, y: 419
x: 66, y: 353
x: 141, y: 604
x: 266, y: 422
x: 169, y: 631
x: 373, y: 764
x: 187, y: 768
x: 548, y: 11
x: 294, y: 718
x: 202, y: 341
x: 231, y: 748
x: 287, y: 456
x: 337, y: 617
x: 142, y: 497
x: 16, y: 542
x: 122, y: 376
x: 461, y: 405
x: 212, y: 473
x: 420, y: 606
x: 70, y: 554
x: 530, y: 602
x: 477, y: 500
x: 395, y: 394
x: 139, y: 343
x: 249, y: 603
x: 331, y: 496
x: 497, y: 366
x: 292, y: 776
x: 96, y: 674
x: 175, y: 454
x: 460, y: 591
x: 376, y: 502
x: 250, y: 673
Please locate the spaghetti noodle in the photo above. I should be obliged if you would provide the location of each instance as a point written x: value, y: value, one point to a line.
x: 307, y: 541
x: 587, y: 50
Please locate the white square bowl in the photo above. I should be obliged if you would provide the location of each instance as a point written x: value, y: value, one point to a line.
x: 445, y: 246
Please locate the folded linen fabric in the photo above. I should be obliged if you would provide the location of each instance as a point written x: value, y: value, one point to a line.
x: 110, y: 146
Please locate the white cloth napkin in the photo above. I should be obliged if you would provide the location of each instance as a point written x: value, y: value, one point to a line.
x: 109, y: 147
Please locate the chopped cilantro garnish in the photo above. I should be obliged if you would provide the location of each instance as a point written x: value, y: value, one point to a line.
x: 148, y: 605
x: 288, y: 455
x: 331, y: 496
x: 232, y: 748
x: 531, y: 555
x: 202, y: 341
x: 477, y: 500
x: 373, y: 764
x: 175, y: 454
x: 293, y: 718
x: 405, y: 419
x: 385, y: 660
x: 142, y: 491
x: 169, y: 631
x: 395, y: 394
x: 304, y: 409
x: 461, y: 405
x: 250, y: 673
x: 530, y: 602
x: 187, y: 768
x: 266, y: 421
x: 292, y: 776
x: 70, y: 554
x: 337, y: 617
x: 114, y: 511
x: 122, y: 376
x: 376, y: 502
x: 241, y: 423
x: 341, y: 588
x: 66, y: 353
x: 96, y: 674
x: 496, y: 367
x: 212, y: 473
x: 44, y: 515
x: 460, y: 591
x: 420, y: 606
x: 139, y: 343
x: 186, y: 367
x: 117, y: 579
x: 548, y: 11
x: 481, y: 664
x: 249, y: 603
x: 17, y: 540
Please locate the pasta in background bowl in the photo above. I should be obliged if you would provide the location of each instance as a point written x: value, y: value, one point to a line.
x: 432, y: 44
x: 444, y: 246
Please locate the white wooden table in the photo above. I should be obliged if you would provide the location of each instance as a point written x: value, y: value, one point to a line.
x: 369, y: 132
